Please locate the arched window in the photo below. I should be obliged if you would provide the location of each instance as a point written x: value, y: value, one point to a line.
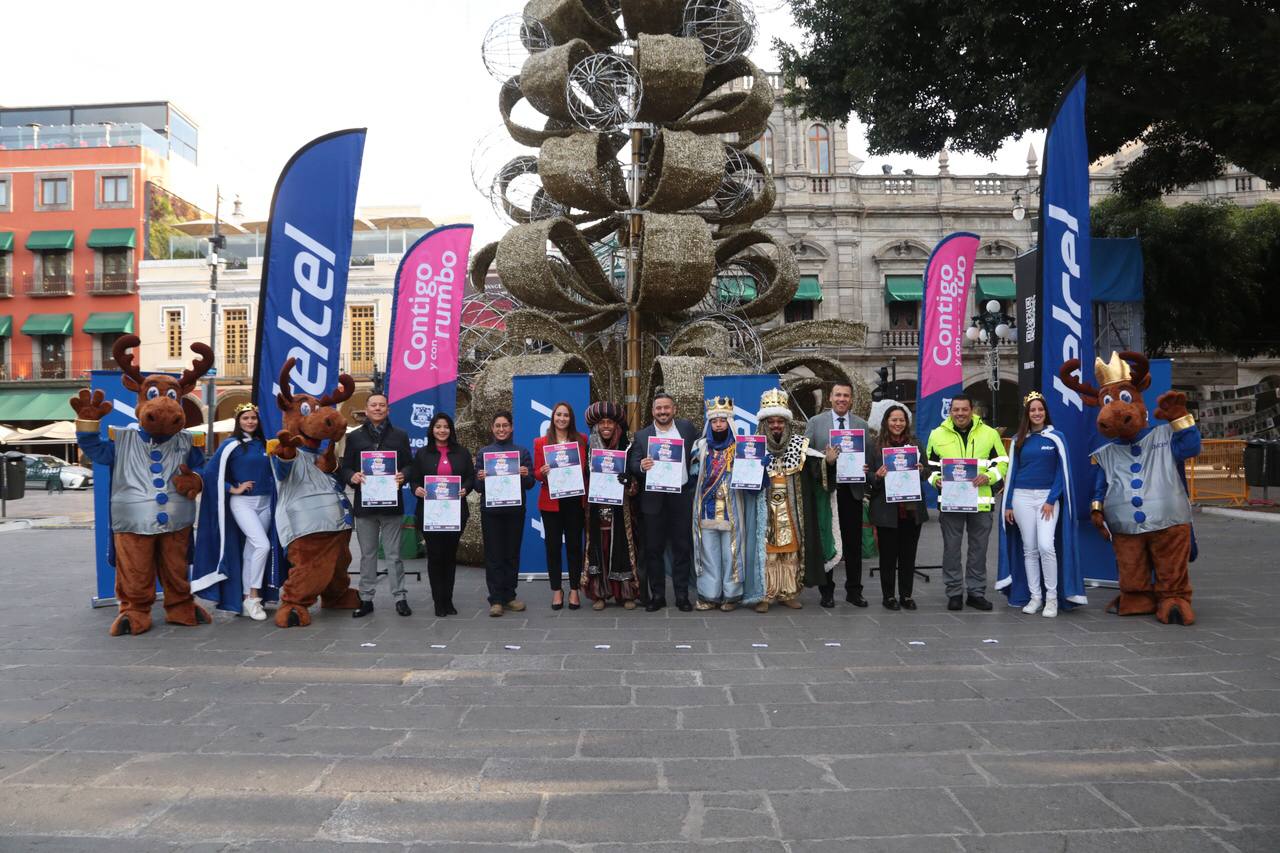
x: 819, y: 141
x: 763, y: 148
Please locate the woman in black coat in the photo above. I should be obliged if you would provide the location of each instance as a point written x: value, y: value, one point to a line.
x: 442, y: 455
x: 897, y: 524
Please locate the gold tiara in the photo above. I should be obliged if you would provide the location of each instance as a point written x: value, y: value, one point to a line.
x: 245, y: 407
x: 1034, y: 395
x: 1114, y: 370
x: 719, y: 407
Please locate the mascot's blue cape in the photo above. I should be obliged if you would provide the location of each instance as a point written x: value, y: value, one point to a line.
x: 216, y: 575
x: 1012, y: 580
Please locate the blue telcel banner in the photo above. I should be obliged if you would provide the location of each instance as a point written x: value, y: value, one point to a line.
x: 1067, y: 317
x: 304, y: 271
x: 745, y: 391
x: 532, y: 399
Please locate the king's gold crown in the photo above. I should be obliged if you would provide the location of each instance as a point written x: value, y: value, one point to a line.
x: 1108, y: 372
x: 720, y: 407
x: 774, y: 398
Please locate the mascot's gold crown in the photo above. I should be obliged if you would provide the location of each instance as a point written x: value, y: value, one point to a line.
x: 720, y: 407
x: 1115, y: 370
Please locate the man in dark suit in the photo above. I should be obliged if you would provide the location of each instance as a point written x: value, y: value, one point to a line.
x: 848, y: 495
x: 668, y: 516
x: 382, y: 523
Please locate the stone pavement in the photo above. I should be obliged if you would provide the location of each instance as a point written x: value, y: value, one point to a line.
x: 808, y: 731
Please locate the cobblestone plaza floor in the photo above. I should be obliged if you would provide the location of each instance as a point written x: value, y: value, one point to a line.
x: 812, y: 730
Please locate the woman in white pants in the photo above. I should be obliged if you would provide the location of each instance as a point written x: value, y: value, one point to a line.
x: 1035, y: 484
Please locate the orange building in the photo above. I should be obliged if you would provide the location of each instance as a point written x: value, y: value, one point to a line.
x: 85, y: 194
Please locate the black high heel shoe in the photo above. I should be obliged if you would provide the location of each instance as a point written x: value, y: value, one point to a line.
x: 572, y: 604
x: 560, y: 606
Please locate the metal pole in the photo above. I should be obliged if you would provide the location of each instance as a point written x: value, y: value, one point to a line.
x: 995, y: 377
x: 211, y: 382
x: 631, y: 368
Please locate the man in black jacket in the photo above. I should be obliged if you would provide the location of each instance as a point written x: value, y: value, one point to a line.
x: 377, y: 523
x: 668, y: 516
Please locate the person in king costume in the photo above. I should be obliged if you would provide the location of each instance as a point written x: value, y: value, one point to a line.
x: 794, y: 541
x: 724, y: 519
x: 613, y: 554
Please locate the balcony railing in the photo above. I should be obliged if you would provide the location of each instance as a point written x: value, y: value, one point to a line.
x: 48, y: 284
x: 357, y: 366
x: 900, y: 338
x: 234, y: 369
x: 110, y: 284
x: 820, y: 185
x: 76, y: 366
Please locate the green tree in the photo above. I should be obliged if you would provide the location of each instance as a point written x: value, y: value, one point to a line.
x: 1198, y: 83
x: 1211, y: 272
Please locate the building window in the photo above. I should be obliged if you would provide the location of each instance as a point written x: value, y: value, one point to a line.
x: 6, y: 279
x: 53, y: 192
x: 4, y: 194
x: 235, y: 341
x: 1244, y: 184
x: 115, y: 190
x: 106, y: 344
x: 798, y: 311
x: 173, y: 333
x: 363, y: 343
x: 904, y: 316
x: 53, y: 357
x: 4, y: 360
x: 53, y: 274
x: 116, y: 270
x: 819, y: 142
x: 763, y: 148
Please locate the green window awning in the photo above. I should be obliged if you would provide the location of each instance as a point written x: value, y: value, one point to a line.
x: 51, y: 241
x: 6, y: 325
x: 996, y: 287
x: 740, y: 288
x: 903, y: 288
x: 108, y: 323
x: 30, y: 405
x: 810, y: 290
x: 111, y: 238
x: 47, y: 324
x: 6, y: 241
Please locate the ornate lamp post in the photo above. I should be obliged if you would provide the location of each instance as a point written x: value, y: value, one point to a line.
x: 990, y: 328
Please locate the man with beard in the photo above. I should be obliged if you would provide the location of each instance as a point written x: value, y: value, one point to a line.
x: 612, y: 552
x: 790, y: 519
x: 724, y: 522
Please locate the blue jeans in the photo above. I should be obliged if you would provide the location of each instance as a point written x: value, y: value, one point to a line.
x: 716, y: 583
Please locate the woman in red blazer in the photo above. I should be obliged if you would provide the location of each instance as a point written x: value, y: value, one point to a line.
x: 563, y: 520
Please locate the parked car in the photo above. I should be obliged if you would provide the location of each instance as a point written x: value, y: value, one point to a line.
x: 41, y: 468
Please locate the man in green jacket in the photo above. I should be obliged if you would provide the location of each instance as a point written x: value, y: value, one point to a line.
x: 963, y: 435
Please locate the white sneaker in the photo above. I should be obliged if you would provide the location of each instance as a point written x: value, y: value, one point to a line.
x: 1033, y: 605
x: 1050, y: 608
x: 253, y: 609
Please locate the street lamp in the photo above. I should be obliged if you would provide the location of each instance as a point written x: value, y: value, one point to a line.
x: 1019, y: 211
x: 991, y: 327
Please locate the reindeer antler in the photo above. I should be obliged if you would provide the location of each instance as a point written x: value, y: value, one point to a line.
x: 1140, y: 369
x: 202, y: 365
x: 124, y: 358
x: 285, y: 396
x: 1087, y: 392
x: 346, y: 387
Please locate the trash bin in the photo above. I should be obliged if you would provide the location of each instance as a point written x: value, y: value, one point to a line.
x: 14, y: 480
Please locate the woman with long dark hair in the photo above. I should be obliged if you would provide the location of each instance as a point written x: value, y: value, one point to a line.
x: 563, y: 520
x: 442, y: 456
x: 236, y: 539
x: 897, y: 524
x: 502, y: 527
x: 1032, y: 504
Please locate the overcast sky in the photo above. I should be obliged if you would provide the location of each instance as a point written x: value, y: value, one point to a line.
x: 262, y: 78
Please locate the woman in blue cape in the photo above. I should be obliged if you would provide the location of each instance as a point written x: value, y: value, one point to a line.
x: 1038, y: 556
x: 238, y: 561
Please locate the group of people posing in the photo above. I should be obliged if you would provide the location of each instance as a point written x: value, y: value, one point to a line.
x: 725, y: 541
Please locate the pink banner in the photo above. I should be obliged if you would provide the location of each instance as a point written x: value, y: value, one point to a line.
x: 422, y: 360
x: 946, y: 294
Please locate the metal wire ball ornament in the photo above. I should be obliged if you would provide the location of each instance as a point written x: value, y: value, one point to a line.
x: 726, y: 28
x: 745, y: 347
x: 483, y: 334
x: 736, y: 283
x: 509, y: 41
x: 738, y: 186
x: 517, y: 194
x: 603, y: 92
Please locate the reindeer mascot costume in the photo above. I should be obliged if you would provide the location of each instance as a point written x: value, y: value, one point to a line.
x: 1140, y: 501
x: 153, y: 488
x: 313, y: 515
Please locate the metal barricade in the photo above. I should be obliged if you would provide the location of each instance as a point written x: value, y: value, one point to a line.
x: 1217, y: 474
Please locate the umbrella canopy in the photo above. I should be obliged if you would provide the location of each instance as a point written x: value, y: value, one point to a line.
x: 204, y: 227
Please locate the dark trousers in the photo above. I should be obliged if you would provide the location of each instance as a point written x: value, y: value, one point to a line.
x: 565, y: 526
x: 849, y: 519
x: 671, y: 525
x: 502, y: 533
x: 898, y: 557
x: 442, y: 565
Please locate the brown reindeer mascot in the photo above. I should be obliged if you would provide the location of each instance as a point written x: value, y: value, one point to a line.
x: 1140, y: 501
x: 313, y: 515
x: 153, y: 489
